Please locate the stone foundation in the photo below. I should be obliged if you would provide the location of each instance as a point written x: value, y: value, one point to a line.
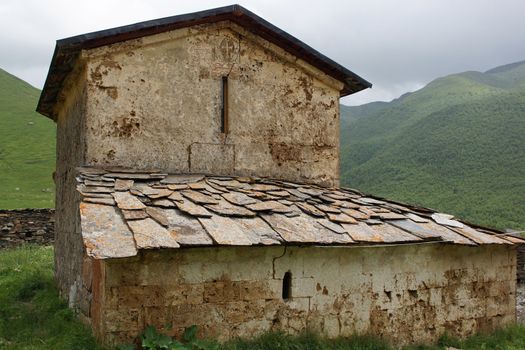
x: 407, y: 293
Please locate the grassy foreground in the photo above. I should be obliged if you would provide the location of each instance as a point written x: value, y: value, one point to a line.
x: 31, y: 314
x: 33, y: 317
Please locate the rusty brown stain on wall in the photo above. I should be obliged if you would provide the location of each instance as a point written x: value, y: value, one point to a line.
x: 125, y: 126
x: 306, y: 85
x: 110, y: 155
x: 282, y: 152
x: 102, y: 69
x: 110, y: 90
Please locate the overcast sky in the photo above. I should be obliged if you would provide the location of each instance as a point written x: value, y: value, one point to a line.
x: 398, y: 45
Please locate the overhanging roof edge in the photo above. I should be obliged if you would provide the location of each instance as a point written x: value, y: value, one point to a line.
x: 67, y: 48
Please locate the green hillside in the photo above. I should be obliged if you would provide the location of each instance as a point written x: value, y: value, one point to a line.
x: 27, y: 147
x: 457, y: 145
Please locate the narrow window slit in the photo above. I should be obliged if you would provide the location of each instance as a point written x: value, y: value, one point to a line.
x: 224, y: 105
x: 287, y: 285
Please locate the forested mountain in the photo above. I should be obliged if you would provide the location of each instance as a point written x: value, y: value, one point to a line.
x: 457, y: 145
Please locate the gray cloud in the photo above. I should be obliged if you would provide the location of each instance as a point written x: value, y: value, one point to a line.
x: 397, y: 45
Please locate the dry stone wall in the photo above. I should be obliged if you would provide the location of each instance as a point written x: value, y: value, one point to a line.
x: 521, y: 263
x: 407, y: 293
x: 22, y: 226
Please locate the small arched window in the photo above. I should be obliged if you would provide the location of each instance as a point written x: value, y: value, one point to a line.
x: 287, y: 285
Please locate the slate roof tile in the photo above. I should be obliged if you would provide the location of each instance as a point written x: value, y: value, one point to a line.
x: 125, y: 210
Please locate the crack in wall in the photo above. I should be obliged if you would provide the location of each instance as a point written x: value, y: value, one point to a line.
x: 273, y: 262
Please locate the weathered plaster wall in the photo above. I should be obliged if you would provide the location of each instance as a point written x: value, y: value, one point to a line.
x: 155, y: 102
x: 409, y: 293
x: 70, y: 153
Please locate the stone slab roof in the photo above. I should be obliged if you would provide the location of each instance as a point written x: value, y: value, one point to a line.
x: 124, y: 211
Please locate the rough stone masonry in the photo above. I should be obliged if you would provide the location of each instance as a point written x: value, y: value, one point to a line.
x: 18, y: 227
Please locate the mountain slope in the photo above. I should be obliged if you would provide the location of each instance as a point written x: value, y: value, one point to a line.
x: 457, y: 145
x: 27, y: 147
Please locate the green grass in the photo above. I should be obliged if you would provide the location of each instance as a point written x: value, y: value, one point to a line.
x: 457, y: 145
x: 511, y: 338
x: 27, y: 147
x: 33, y: 317
x: 306, y: 341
